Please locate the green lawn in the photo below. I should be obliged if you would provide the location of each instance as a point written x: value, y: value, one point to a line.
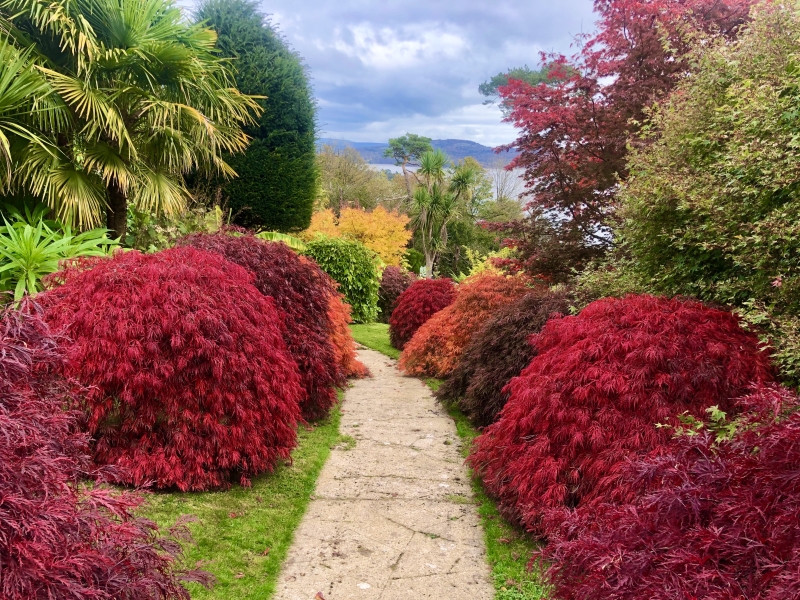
x: 375, y: 336
x: 242, y: 535
x: 507, y: 547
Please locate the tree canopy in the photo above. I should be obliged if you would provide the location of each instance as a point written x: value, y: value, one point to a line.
x: 125, y: 99
x: 277, y: 179
x: 574, y: 129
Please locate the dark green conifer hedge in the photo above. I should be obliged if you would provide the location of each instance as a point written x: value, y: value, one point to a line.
x: 276, y: 185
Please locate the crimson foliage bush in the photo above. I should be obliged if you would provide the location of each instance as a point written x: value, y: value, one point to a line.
x: 593, y: 395
x: 500, y: 350
x: 342, y: 338
x: 190, y: 382
x: 394, y: 281
x: 59, y: 539
x: 301, y: 291
x: 715, y: 521
x: 437, y: 346
x: 423, y: 299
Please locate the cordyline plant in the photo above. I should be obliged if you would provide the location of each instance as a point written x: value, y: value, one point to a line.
x: 714, y: 520
x: 499, y: 351
x: 437, y: 346
x: 189, y: 380
x: 394, y: 281
x: 592, y: 397
x: 301, y: 291
x: 423, y: 299
x: 59, y: 538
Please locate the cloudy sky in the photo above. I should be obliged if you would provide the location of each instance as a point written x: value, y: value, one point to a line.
x: 381, y: 68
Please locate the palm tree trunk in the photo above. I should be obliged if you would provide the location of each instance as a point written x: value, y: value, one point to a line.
x: 429, y: 265
x: 405, y: 178
x: 117, y: 211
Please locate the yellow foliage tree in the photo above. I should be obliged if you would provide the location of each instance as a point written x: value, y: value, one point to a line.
x: 383, y: 232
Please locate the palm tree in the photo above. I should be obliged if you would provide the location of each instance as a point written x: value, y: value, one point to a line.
x: 148, y: 102
x: 437, y: 201
x: 28, y: 106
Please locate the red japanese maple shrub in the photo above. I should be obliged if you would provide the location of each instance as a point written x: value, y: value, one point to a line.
x: 394, y: 281
x: 190, y: 382
x: 500, y: 350
x: 344, y: 346
x: 59, y: 539
x: 436, y: 347
x: 716, y: 521
x: 301, y: 291
x: 592, y: 397
x: 423, y: 299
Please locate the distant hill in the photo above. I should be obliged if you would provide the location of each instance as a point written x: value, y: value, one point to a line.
x: 372, y: 152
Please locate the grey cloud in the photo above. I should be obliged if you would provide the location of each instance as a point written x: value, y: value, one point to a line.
x: 381, y: 68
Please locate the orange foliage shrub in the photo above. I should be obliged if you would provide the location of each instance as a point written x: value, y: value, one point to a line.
x: 344, y: 347
x: 437, y: 346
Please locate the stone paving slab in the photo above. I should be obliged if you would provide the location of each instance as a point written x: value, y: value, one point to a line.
x: 392, y: 517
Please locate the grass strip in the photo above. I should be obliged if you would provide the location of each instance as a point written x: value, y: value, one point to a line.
x: 375, y: 336
x: 243, y: 535
x: 508, y: 548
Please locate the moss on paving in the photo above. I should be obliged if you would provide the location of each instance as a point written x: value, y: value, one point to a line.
x: 243, y: 535
x: 375, y: 336
x: 508, y: 548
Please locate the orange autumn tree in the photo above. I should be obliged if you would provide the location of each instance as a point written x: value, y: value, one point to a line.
x: 383, y: 232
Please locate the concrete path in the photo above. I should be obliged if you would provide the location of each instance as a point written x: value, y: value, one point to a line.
x: 392, y: 517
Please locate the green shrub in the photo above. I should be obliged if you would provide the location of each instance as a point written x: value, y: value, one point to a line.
x: 712, y: 207
x: 32, y: 247
x: 355, y: 268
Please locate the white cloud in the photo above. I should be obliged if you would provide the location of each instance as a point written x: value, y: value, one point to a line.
x: 388, y: 48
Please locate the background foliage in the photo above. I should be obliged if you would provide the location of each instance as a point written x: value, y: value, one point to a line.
x: 355, y: 268
x: 436, y: 347
x: 394, y: 281
x: 423, y: 299
x: 383, y: 232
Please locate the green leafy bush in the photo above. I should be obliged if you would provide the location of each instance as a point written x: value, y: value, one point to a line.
x: 712, y: 206
x: 32, y: 247
x: 355, y: 268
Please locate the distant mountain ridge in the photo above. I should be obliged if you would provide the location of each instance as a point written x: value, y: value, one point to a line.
x: 372, y: 152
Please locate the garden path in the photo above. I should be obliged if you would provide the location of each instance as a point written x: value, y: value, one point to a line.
x: 393, y: 515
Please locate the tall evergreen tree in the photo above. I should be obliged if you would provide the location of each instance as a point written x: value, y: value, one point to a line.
x: 277, y: 177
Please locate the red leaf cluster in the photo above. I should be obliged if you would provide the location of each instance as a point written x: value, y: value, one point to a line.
x: 593, y: 395
x: 436, y: 347
x: 717, y: 522
x: 344, y: 347
x: 500, y: 350
x: 190, y: 382
x: 394, y: 281
x: 423, y: 299
x: 574, y: 129
x: 59, y: 539
x: 301, y: 291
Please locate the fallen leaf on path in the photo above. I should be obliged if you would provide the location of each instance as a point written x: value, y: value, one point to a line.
x: 319, y: 596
